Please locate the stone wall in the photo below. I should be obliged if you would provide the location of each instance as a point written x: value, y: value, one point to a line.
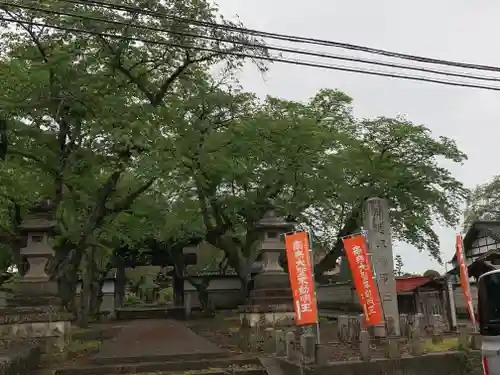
x: 357, y: 352
x: 20, y: 360
x: 454, y: 363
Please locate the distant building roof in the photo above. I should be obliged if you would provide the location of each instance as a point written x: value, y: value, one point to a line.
x: 410, y: 283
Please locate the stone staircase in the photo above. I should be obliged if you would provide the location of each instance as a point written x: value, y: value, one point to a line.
x: 192, y: 364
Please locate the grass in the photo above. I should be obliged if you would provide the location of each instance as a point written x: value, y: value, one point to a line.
x: 447, y: 345
x: 79, y: 347
x: 78, y: 330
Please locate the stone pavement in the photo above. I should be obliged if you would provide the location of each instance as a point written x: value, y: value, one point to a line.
x: 150, y: 338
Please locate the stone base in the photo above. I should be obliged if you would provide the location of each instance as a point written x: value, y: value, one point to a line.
x: 271, y: 315
x: 52, y: 336
x: 272, y: 280
x: 34, y: 287
x: 35, y: 318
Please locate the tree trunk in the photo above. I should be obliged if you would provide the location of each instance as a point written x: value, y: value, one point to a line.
x: 67, y: 284
x: 203, y: 295
x: 96, y: 297
x: 120, y: 283
x: 245, y: 285
x: 351, y: 225
x: 178, y: 289
x: 88, y: 291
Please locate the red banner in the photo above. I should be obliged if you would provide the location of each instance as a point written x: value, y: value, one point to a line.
x: 355, y: 249
x: 464, y: 277
x: 301, y: 278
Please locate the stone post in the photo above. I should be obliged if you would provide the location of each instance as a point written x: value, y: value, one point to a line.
x: 290, y: 346
x: 437, y: 328
x: 476, y: 341
x: 280, y: 343
x: 269, y: 341
x: 463, y: 337
x: 255, y: 337
x: 392, y: 348
x: 416, y: 344
x: 377, y: 223
x: 343, y: 327
x: 364, y: 346
x: 451, y: 302
x: 323, y: 354
x: 308, y: 348
x: 244, y: 336
x: 419, y: 323
x: 354, y: 329
x: 404, y: 325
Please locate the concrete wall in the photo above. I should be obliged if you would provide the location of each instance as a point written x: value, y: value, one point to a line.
x: 343, y: 296
x: 460, y: 304
x: 108, y: 295
x: 340, y: 296
x: 224, y: 293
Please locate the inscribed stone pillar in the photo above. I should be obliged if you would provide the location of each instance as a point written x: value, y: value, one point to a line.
x: 377, y: 224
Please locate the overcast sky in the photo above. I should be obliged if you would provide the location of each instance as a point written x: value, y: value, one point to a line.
x: 460, y: 30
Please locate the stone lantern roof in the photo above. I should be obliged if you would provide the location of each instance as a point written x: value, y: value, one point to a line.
x: 271, y: 221
x: 40, y: 219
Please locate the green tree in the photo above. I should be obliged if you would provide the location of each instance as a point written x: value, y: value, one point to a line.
x: 397, y: 160
x: 483, y: 202
x: 91, y: 115
x: 246, y: 157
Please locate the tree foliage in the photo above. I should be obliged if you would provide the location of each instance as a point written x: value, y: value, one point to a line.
x: 483, y: 203
x: 398, y: 265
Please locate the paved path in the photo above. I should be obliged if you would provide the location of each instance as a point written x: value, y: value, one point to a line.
x: 140, y: 338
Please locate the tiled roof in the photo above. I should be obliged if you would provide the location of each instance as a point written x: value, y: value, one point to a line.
x: 407, y: 284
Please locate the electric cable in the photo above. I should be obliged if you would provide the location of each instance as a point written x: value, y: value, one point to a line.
x: 264, y: 58
x: 268, y: 47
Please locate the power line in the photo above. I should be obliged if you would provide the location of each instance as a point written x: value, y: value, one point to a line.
x: 285, y: 37
x: 264, y: 58
x: 248, y: 44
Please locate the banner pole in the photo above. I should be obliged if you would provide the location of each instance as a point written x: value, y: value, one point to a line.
x: 311, y: 257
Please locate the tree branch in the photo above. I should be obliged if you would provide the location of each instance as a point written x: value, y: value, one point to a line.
x: 129, y: 200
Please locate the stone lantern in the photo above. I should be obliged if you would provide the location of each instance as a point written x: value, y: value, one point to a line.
x: 272, y: 230
x: 30, y: 310
x: 271, y: 300
x: 37, y: 228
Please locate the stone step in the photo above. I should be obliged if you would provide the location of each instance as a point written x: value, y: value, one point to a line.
x: 223, y: 365
x: 163, y: 358
x: 211, y: 371
x: 271, y: 300
x: 30, y: 301
x: 141, y: 313
x: 286, y: 306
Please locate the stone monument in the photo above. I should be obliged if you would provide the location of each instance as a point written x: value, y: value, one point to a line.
x: 271, y: 301
x: 377, y: 224
x: 30, y: 309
